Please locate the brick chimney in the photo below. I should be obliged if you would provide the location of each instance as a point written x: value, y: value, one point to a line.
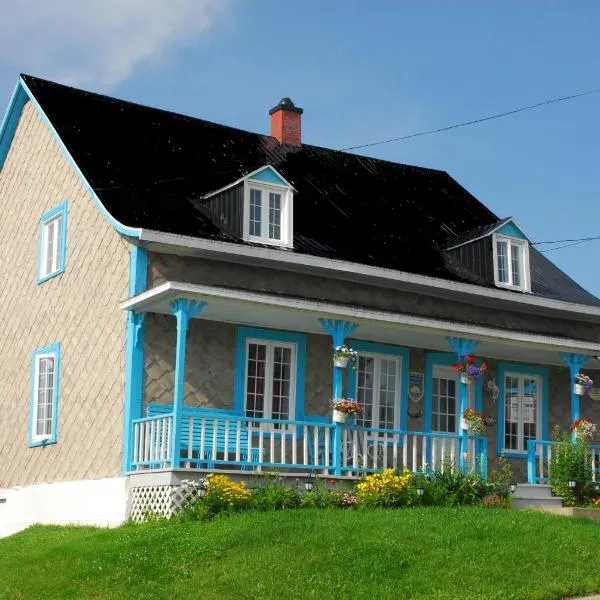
x: 286, y: 122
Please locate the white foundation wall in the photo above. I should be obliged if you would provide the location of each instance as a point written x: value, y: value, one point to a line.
x: 101, y: 502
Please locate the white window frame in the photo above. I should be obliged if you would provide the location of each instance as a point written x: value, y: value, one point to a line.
x: 525, y: 272
x: 448, y: 372
x: 376, y: 386
x: 55, y: 219
x: 268, y: 393
x: 521, y: 447
x: 37, y: 439
x: 287, y: 213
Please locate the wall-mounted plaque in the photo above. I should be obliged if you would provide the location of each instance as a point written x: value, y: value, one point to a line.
x: 416, y: 383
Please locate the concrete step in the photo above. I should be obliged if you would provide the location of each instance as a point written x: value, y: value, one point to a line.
x: 553, y: 502
x: 528, y: 490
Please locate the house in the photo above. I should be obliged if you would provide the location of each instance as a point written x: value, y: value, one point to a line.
x: 174, y: 290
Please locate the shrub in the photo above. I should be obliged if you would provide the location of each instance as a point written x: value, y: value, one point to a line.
x: 571, y: 461
x: 501, y: 479
x: 461, y: 488
x: 388, y: 489
x: 274, y: 494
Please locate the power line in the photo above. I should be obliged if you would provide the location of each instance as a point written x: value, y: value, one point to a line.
x: 584, y: 239
x: 474, y: 121
x: 565, y: 246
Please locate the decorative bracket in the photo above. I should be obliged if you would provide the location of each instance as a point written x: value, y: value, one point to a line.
x: 138, y: 326
x: 462, y: 346
x: 574, y: 361
x: 339, y: 330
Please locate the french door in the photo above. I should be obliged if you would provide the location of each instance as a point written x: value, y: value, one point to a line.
x: 378, y: 390
x: 445, y: 400
x: 270, y: 380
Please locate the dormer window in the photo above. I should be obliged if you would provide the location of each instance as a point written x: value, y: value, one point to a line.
x: 268, y: 209
x: 511, y: 262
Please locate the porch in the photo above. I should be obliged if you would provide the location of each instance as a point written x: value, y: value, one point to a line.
x: 207, y: 413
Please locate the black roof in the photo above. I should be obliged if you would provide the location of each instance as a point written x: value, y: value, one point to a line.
x: 150, y: 167
x: 476, y: 233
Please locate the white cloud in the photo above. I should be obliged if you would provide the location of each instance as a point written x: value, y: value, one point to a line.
x: 98, y: 43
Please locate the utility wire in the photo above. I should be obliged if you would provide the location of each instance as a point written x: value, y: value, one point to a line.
x: 474, y: 121
x: 567, y: 245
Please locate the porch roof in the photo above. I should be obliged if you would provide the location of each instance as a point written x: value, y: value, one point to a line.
x: 297, y: 314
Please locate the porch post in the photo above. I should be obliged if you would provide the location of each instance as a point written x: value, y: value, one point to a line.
x: 134, y: 353
x: 183, y: 310
x: 338, y: 330
x: 461, y: 347
x: 575, y: 362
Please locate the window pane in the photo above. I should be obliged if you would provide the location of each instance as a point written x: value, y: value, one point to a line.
x: 255, y: 212
x: 282, y: 363
x: 501, y: 251
x: 443, y: 405
x: 515, y: 256
x: 275, y: 216
x: 387, y: 393
x: 529, y: 410
x: 511, y: 413
x: 365, y: 389
x: 255, y: 383
x: 44, y: 397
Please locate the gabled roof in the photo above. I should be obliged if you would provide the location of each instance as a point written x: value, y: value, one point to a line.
x: 150, y: 169
x: 507, y: 226
x: 266, y: 174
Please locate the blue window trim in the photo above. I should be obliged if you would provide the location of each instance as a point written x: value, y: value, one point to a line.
x: 51, y: 349
x: 541, y: 372
x: 444, y: 359
x: 242, y: 334
x: 385, y: 349
x: 62, y: 210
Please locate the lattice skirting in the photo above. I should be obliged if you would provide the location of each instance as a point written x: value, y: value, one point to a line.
x: 158, y: 500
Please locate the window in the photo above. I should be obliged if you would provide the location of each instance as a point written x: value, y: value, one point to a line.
x: 44, y: 401
x: 269, y: 214
x: 521, y: 410
x: 270, y: 379
x: 511, y: 262
x: 53, y: 231
x: 445, y: 401
x: 377, y: 389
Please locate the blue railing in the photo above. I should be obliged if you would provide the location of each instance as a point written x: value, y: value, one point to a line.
x: 539, y: 457
x: 210, y: 439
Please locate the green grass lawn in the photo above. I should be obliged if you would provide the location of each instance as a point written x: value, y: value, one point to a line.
x: 412, y: 553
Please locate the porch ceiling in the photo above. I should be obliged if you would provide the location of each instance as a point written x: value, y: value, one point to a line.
x: 296, y: 314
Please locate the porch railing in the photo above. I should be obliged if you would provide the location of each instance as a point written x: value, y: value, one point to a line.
x: 152, y: 441
x: 249, y: 443
x: 539, y: 458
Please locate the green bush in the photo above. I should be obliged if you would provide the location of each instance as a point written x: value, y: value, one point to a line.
x: 274, y: 494
x: 388, y: 489
x: 501, y: 479
x: 571, y: 461
x: 461, y: 488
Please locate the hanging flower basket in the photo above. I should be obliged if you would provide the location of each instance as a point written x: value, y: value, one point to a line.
x: 469, y: 370
x: 341, y: 361
x: 473, y: 421
x: 582, y: 384
x: 583, y: 428
x: 344, y: 408
x: 343, y: 355
x: 339, y: 417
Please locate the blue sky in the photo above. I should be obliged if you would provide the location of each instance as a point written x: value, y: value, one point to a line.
x: 362, y: 71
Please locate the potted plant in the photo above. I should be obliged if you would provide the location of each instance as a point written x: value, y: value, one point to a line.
x: 344, y: 408
x: 582, y: 384
x: 583, y: 428
x: 343, y: 355
x: 473, y: 421
x: 468, y: 369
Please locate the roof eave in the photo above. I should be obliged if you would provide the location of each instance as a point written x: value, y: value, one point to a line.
x: 358, y: 273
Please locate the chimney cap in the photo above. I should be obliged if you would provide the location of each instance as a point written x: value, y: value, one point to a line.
x: 286, y: 104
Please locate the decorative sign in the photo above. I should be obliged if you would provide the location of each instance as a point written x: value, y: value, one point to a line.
x: 594, y: 394
x: 416, y: 383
